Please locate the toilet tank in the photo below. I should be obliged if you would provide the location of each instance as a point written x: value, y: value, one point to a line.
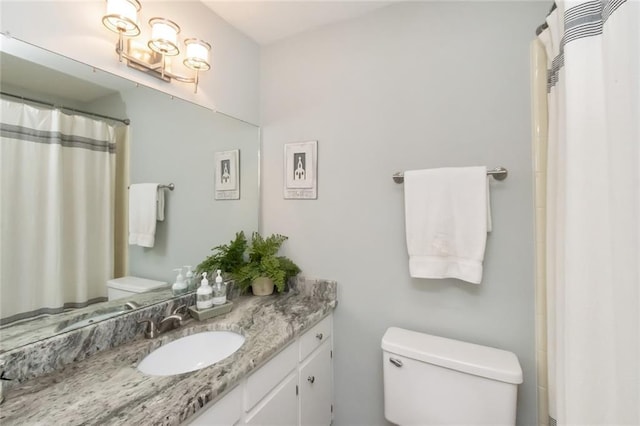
x: 431, y: 380
x: 119, y: 288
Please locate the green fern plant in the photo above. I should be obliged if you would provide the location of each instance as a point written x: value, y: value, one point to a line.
x: 264, y: 262
x: 229, y: 258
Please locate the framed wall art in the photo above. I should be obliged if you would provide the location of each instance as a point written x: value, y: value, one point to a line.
x: 227, y: 176
x: 301, y: 170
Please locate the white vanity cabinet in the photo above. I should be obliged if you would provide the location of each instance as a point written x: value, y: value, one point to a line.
x: 293, y: 388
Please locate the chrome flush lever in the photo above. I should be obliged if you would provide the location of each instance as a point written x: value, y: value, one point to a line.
x: 395, y: 362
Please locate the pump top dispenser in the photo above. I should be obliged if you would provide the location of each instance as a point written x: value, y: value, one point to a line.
x: 204, y: 294
x: 179, y: 286
x: 219, y: 290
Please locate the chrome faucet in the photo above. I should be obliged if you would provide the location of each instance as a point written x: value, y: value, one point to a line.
x: 168, y: 323
x: 177, y: 310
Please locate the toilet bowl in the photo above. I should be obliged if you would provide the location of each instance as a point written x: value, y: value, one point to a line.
x: 119, y: 288
x: 431, y: 380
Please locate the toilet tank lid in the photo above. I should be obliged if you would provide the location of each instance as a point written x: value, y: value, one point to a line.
x: 465, y: 357
x: 135, y: 284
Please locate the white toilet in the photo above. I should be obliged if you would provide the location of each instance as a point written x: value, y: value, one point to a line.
x: 119, y: 288
x: 430, y: 380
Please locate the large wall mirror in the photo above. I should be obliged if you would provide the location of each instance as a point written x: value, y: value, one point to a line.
x: 169, y: 141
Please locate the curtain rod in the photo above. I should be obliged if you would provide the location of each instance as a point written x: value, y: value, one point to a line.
x: 544, y: 25
x: 121, y: 120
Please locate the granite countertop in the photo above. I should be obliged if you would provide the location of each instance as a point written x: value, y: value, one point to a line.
x: 106, y: 388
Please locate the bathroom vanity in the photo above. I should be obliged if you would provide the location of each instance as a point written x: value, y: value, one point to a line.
x: 281, y: 374
x: 295, y: 387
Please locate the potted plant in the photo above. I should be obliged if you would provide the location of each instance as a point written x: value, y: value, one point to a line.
x: 229, y: 258
x: 264, y: 268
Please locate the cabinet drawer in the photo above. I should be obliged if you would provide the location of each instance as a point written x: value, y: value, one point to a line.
x: 270, y: 375
x: 313, y: 338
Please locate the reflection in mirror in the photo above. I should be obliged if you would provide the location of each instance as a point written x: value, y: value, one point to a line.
x: 168, y: 141
x: 20, y: 333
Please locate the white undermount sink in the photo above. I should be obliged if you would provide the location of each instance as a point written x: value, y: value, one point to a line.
x: 191, y: 353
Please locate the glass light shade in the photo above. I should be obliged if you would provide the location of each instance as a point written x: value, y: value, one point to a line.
x: 122, y: 17
x: 164, y: 36
x: 197, y: 56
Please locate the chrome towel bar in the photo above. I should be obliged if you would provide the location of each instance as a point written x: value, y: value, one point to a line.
x: 499, y: 173
x: 170, y: 187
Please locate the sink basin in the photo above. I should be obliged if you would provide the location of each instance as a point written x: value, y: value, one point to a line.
x: 191, y: 353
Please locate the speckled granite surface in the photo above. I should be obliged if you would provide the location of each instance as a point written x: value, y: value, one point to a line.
x: 25, y: 332
x: 50, y: 354
x: 106, y: 388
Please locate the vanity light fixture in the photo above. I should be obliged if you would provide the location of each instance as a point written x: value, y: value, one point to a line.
x: 122, y: 18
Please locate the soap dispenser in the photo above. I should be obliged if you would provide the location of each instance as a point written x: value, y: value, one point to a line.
x: 204, y: 294
x: 190, y: 280
x: 179, y: 286
x: 219, y: 290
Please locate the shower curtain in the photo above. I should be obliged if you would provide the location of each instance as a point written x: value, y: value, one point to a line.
x: 57, y: 177
x: 593, y: 212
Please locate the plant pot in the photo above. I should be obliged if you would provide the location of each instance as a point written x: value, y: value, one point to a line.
x: 262, y: 286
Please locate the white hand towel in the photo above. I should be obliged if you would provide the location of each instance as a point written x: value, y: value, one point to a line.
x: 446, y: 220
x: 146, y: 205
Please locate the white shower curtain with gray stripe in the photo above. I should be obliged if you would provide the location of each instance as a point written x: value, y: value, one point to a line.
x: 57, y: 177
x: 593, y: 212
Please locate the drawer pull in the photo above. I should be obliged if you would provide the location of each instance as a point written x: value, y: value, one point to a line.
x: 395, y: 362
x: 311, y: 379
x: 319, y: 336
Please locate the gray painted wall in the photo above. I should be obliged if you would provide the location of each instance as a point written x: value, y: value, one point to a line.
x: 414, y: 85
x: 175, y: 141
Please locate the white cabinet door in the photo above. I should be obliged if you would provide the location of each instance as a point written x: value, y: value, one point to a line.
x: 278, y: 408
x: 267, y: 377
x: 315, y: 388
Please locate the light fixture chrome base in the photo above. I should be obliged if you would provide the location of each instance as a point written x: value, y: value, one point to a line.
x: 155, y: 73
x: 155, y: 65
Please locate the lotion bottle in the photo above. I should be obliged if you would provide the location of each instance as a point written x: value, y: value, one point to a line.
x: 179, y: 286
x: 204, y: 295
x: 190, y: 278
x: 219, y: 290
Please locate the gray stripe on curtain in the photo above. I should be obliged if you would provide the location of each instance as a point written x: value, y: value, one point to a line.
x: 49, y: 311
x: 48, y: 137
x: 585, y: 20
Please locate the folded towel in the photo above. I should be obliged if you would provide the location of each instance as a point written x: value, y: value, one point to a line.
x: 447, y: 219
x: 146, y: 206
